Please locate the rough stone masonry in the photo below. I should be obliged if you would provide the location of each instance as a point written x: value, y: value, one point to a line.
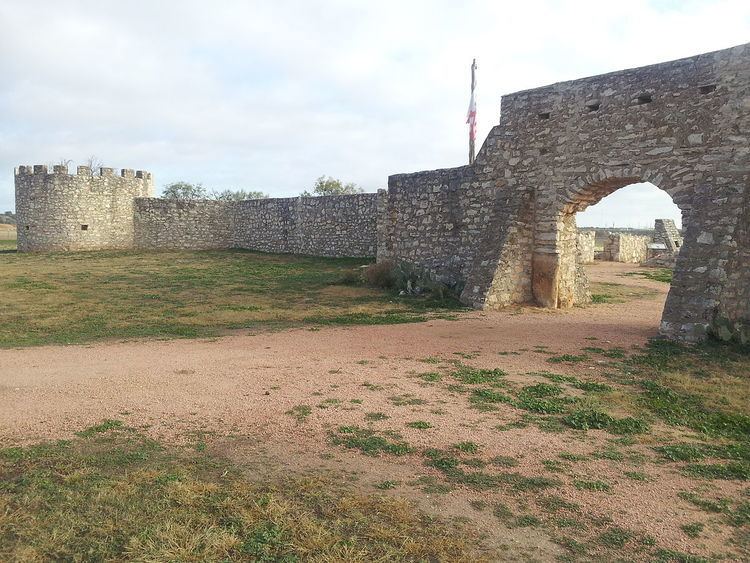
x: 501, y: 230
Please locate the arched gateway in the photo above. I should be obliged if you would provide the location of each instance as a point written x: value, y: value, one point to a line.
x: 504, y: 227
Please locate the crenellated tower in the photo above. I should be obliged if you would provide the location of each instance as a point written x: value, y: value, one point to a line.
x: 83, y: 211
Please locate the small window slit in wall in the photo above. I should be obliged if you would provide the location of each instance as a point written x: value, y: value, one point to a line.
x: 544, y: 115
x: 593, y: 106
x: 644, y: 99
x: 84, y: 227
x: 26, y: 228
x: 707, y: 89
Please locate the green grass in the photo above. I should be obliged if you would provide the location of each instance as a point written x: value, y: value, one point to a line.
x: 591, y: 485
x: 300, y: 412
x: 114, y: 495
x: 61, y: 298
x: 663, y: 275
x: 419, y: 425
x: 368, y: 441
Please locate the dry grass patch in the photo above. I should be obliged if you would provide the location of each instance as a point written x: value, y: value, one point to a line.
x: 78, y: 297
x: 113, y: 494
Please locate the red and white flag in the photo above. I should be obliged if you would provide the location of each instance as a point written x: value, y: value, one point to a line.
x: 471, y: 117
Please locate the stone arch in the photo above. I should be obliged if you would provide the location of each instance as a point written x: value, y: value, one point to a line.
x: 556, y: 277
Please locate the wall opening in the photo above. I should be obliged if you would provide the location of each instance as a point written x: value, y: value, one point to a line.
x: 644, y: 99
x: 84, y: 227
x: 627, y: 243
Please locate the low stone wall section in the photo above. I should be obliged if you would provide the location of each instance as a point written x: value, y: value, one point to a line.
x: 182, y: 225
x: 622, y: 247
x: 586, y: 245
x: 334, y: 226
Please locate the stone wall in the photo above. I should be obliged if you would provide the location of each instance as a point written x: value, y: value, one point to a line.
x: 666, y: 232
x: 60, y: 211
x: 622, y: 247
x: 344, y: 225
x: 183, y: 225
x: 682, y: 125
x: 320, y: 226
x: 586, y: 246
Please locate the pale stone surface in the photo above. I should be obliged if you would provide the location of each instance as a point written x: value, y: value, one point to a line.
x: 554, y: 154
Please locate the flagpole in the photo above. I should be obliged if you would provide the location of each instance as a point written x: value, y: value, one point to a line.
x: 471, y: 119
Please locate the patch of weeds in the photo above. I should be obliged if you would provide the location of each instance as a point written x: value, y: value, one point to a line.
x: 375, y: 416
x: 466, y: 447
x: 599, y: 298
x: 628, y: 425
x: 683, y: 409
x: 522, y: 483
x: 593, y: 485
x: 504, y: 461
x: 431, y: 376
x: 419, y: 424
x: 431, y: 360
x: 474, y: 462
x: 727, y: 471
x: 367, y: 441
x: 372, y: 386
x: 527, y: 520
x: 614, y: 538
x: 637, y: 476
x: 406, y: 399
x: 475, y: 376
x: 567, y: 358
x: 592, y: 387
x: 692, y: 530
x: 327, y: 403
x: 512, y: 425
x: 362, y: 362
x: 483, y: 399
x: 103, y: 426
x: 572, y: 545
x: 698, y: 451
x: 502, y: 511
x: 568, y: 456
x: 478, y: 505
x: 356, y: 401
x: 386, y: 485
x: 300, y: 412
x: 553, y: 503
x: 467, y: 355
x: 585, y: 419
x: 553, y: 465
x: 708, y: 505
x: 431, y: 486
x: 611, y: 454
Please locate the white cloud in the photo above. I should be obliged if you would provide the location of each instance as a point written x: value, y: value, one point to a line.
x: 271, y: 95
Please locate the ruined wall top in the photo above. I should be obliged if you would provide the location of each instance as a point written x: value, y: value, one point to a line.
x: 62, y: 169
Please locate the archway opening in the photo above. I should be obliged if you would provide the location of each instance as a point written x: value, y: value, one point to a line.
x: 627, y: 240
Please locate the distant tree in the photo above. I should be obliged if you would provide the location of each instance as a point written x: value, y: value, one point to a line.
x: 184, y: 191
x: 238, y: 195
x: 8, y: 218
x: 332, y: 186
x: 94, y: 163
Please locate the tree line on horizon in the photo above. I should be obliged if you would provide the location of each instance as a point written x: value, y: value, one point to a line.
x: 184, y: 191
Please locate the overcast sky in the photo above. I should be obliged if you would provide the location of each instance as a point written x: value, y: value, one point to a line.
x: 270, y: 95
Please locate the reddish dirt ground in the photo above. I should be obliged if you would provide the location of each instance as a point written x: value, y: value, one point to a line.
x: 235, y: 392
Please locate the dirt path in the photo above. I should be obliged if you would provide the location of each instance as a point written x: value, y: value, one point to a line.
x: 236, y: 393
x: 228, y: 383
